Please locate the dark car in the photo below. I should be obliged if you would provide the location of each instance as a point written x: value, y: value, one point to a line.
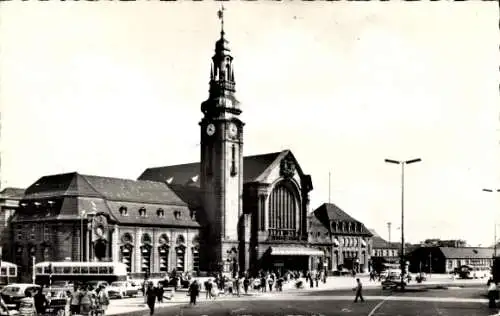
x: 392, y: 282
x: 13, y: 293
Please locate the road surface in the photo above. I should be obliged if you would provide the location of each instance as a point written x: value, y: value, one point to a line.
x: 443, y: 302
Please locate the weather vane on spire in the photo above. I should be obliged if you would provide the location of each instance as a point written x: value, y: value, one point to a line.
x: 220, y: 14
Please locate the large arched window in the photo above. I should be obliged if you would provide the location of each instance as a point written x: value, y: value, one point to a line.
x: 283, y: 208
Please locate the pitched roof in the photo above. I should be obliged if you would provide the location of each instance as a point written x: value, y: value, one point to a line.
x: 380, y: 243
x: 115, y: 189
x: 70, y: 208
x: 188, y: 174
x: 329, y: 212
x: 466, y: 252
x: 12, y: 193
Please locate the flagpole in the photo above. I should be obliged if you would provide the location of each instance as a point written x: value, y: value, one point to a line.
x: 329, y: 187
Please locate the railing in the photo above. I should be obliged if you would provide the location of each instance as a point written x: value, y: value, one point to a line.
x: 283, y: 235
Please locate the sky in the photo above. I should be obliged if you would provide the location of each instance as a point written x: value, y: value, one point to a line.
x: 111, y: 88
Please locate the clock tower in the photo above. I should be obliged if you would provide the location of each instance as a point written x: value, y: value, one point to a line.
x: 221, y: 174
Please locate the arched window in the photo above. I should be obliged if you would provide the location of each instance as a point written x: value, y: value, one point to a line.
x: 283, y: 207
x: 196, y: 253
x: 180, y: 252
x: 126, y: 255
x: 163, y: 251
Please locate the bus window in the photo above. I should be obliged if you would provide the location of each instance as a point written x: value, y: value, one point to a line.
x: 67, y: 270
x: 84, y: 270
x: 93, y: 270
x: 12, y: 272
x: 58, y: 270
x: 46, y: 270
x: 76, y: 270
x: 103, y: 270
x: 39, y: 270
x: 3, y: 272
x: 111, y: 270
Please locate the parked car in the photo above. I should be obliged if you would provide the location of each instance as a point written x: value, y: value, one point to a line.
x: 121, y: 289
x: 392, y: 282
x: 13, y: 293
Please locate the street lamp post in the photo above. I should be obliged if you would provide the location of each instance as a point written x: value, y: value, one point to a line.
x: 82, y: 214
x: 403, y: 163
x: 495, y: 224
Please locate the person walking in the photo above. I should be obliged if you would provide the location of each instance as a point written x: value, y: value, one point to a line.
x: 492, y: 295
x: 151, y: 297
x: 41, y: 302
x: 102, y: 299
x: 85, y: 301
x: 359, y: 291
x: 246, y: 283
x: 194, y: 291
x: 75, y: 301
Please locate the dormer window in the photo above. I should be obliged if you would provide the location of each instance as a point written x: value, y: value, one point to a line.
x: 160, y: 212
x: 142, y: 212
x: 123, y: 211
x: 177, y: 214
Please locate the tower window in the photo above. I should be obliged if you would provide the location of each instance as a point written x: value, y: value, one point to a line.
x: 233, y: 160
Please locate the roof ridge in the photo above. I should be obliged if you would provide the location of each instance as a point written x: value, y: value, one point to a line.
x: 92, y: 186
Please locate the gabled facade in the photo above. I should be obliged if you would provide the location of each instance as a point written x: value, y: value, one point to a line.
x: 345, y: 241
x: 384, y: 253
x: 275, y: 207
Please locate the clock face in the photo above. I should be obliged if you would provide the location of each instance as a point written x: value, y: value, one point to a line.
x: 210, y: 129
x: 233, y: 129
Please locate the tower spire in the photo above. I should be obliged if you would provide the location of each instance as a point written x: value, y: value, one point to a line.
x: 220, y: 14
x: 221, y: 100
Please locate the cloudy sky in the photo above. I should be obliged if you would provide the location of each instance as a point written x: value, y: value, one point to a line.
x: 111, y: 88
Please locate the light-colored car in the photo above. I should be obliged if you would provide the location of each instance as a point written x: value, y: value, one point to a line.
x: 121, y: 289
x: 13, y: 293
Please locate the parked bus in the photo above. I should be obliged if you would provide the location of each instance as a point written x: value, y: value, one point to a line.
x: 49, y: 272
x: 8, y: 273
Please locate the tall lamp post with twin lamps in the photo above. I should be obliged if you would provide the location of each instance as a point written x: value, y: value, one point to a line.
x: 403, y: 163
x: 495, y: 224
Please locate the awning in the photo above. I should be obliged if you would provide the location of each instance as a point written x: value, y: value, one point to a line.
x: 295, y: 251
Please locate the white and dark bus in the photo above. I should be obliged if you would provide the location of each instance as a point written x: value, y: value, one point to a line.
x: 8, y: 273
x: 50, y: 271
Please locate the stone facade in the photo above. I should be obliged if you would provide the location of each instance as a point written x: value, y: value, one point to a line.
x: 346, y: 242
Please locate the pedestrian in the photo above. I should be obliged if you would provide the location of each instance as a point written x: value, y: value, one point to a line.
x: 492, y: 295
x: 85, y: 301
x: 41, y: 302
x: 151, y: 297
x: 159, y: 292
x: 359, y: 291
x: 237, y: 285
x: 270, y: 281
x: 27, y: 305
x: 3, y: 307
x: 102, y: 299
x: 75, y: 301
x: 194, y: 291
x: 246, y: 283
x: 67, y: 306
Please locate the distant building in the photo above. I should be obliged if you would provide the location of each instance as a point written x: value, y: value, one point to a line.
x: 435, y: 242
x: 447, y: 259
x: 384, y: 253
x: 345, y: 241
x: 9, y: 204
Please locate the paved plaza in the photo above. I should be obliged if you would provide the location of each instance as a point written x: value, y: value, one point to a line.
x: 451, y: 297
